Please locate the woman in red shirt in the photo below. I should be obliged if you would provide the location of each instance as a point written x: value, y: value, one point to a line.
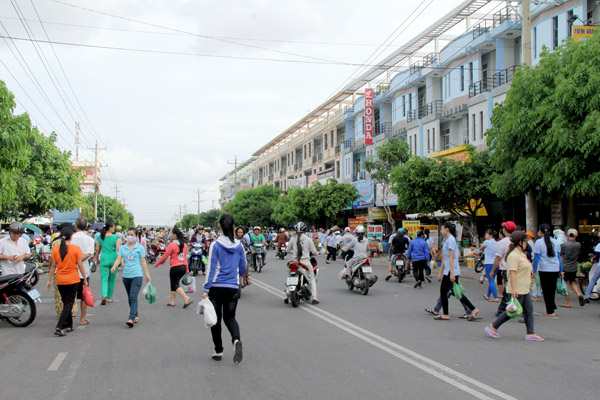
x: 177, y: 250
x: 66, y: 260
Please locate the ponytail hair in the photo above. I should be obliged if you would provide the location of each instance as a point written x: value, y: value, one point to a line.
x: 545, y: 229
x: 105, y: 229
x: 65, y: 234
x: 451, y: 227
x: 227, y: 223
x: 180, y: 238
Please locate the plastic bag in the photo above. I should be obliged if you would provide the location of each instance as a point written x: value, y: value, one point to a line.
x: 191, y: 288
x: 150, y: 293
x: 186, y: 280
x: 342, y: 274
x: 88, y: 296
x: 93, y: 267
x: 561, y: 287
x: 205, y: 307
x: 204, y: 260
x: 457, y: 290
x: 514, y: 304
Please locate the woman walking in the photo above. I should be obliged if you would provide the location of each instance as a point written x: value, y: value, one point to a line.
x: 65, y: 260
x: 418, y: 253
x: 519, y: 278
x: 226, y: 264
x: 109, y: 244
x: 548, y: 262
x: 489, y: 248
x: 177, y: 250
x: 240, y: 234
x: 450, y: 272
x: 133, y: 257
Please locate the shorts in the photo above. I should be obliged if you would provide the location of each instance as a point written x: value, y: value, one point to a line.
x: 175, y: 274
x: 80, y: 289
x: 570, y: 276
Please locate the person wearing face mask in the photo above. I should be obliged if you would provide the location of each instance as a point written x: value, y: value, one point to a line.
x: 133, y: 258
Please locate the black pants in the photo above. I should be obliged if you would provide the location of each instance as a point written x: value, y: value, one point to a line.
x: 503, y: 277
x: 548, y: 283
x: 419, y: 267
x: 331, y: 253
x: 67, y: 295
x: 225, y: 302
x: 447, y: 285
x: 175, y: 274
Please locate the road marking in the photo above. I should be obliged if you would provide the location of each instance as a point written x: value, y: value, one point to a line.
x: 60, y: 357
x: 72, y: 371
x: 461, y: 381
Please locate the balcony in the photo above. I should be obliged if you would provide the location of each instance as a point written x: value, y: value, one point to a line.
x: 435, y: 108
x: 431, y: 59
x: 338, y: 150
x: 383, y: 129
x: 317, y: 158
x: 415, y: 67
x: 358, y: 147
x: 270, y: 178
x: 283, y: 172
x: 298, y: 166
x: 506, y: 14
x: 381, y: 89
x: 359, y: 176
x: 482, y: 28
x: 411, y: 115
x: 479, y: 87
x: 348, y: 145
x: 504, y: 77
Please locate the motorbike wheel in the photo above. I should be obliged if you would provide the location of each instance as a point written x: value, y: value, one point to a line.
x: 365, y: 289
x: 583, y: 284
x: 401, y: 276
x: 350, y: 285
x: 294, y: 299
x: 28, y: 304
x: 479, y: 266
x: 35, y: 278
x: 259, y: 265
x: 195, y: 267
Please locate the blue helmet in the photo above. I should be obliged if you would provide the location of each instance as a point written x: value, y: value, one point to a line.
x: 401, y: 231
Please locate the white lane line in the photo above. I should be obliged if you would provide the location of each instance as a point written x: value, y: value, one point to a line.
x: 72, y: 371
x: 60, y: 357
x: 430, y: 366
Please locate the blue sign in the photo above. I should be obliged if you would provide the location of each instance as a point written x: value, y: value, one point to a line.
x: 59, y: 217
x: 366, y: 192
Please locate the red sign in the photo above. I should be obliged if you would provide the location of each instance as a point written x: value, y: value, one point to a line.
x: 369, y: 117
x: 359, y: 220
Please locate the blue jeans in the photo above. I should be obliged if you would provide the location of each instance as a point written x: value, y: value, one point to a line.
x: 133, y: 287
x: 592, y: 283
x: 491, y: 280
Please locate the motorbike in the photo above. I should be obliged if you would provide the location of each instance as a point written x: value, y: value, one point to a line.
x: 281, y: 251
x: 197, y: 254
x: 156, y: 251
x: 401, y: 267
x: 17, y: 298
x: 31, y: 265
x: 297, y: 287
x: 362, y: 277
x: 258, y: 250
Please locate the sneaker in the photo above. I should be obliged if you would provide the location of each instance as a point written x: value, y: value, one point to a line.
x: 237, y: 352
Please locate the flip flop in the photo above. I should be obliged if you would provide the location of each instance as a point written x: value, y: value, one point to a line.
x: 440, y: 318
x: 217, y: 356
x: 136, y: 320
x: 86, y: 323
x: 486, y: 297
x: 534, y: 338
x: 129, y: 323
x: 491, y: 333
x: 430, y: 311
x: 564, y: 306
x: 186, y: 305
x: 464, y: 316
x: 170, y: 305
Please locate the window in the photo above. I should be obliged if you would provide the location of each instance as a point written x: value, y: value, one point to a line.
x: 471, y: 73
x: 305, y: 152
x: 569, y: 23
x: 410, y: 143
x: 325, y: 141
x: 428, y: 141
x: 332, y: 142
x: 481, y: 124
x: 554, y: 33
x: 462, y: 78
x: 474, y: 128
x: 410, y: 102
x: 309, y: 149
x: 415, y: 144
x: 445, y: 139
x: 337, y: 169
x: 535, y: 42
x: 403, y: 105
x: 433, y: 139
x: 468, y: 129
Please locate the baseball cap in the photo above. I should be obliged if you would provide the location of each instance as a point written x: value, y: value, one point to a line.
x: 509, y: 226
x: 530, y: 235
x: 572, y: 232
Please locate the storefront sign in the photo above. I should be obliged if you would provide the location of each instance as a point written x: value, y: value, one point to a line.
x: 411, y: 228
x: 583, y: 32
x: 369, y: 118
x: 433, y: 234
x: 365, y: 190
x: 359, y: 220
x: 377, y: 213
x: 392, y: 198
x: 557, y: 215
x: 375, y: 232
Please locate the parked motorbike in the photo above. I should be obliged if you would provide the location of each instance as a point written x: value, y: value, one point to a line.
x: 362, y: 277
x: 31, y: 265
x: 196, y: 256
x: 401, y: 267
x: 297, y: 287
x: 155, y: 251
x: 258, y: 251
x: 281, y: 251
x: 17, y: 298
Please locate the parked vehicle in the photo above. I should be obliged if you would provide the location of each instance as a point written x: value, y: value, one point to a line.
x: 156, y: 250
x: 31, y: 265
x: 17, y: 298
x: 297, y: 287
x: 362, y: 277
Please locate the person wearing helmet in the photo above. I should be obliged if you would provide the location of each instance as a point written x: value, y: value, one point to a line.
x: 399, y: 246
x: 255, y: 238
x: 14, y: 250
x: 301, y: 247
x: 359, y: 245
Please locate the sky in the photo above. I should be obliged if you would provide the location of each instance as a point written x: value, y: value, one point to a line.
x: 174, y: 90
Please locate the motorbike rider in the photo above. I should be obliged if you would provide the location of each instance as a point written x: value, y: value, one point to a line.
x: 398, y: 246
x: 346, y: 240
x: 255, y: 238
x: 281, y: 238
x: 14, y: 250
x: 359, y: 244
x: 302, y: 247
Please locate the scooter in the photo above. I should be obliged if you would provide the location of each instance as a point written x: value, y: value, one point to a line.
x: 281, y: 251
x: 17, y: 298
x: 297, y: 287
x: 401, y: 267
x: 196, y: 258
x: 362, y: 277
x: 258, y: 251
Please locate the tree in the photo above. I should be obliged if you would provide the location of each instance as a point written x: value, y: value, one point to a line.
x: 390, y: 154
x: 210, y: 217
x: 292, y: 207
x: 328, y: 200
x: 426, y: 185
x: 253, y: 206
x: 115, y: 211
x: 545, y: 137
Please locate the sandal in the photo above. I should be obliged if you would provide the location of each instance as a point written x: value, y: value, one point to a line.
x: 189, y: 303
x: 492, y: 333
x: 217, y: 356
x: 129, y: 323
x: 86, y: 322
x: 136, y: 320
x: 486, y: 297
x: 441, y: 318
x: 170, y: 305
x: 534, y: 338
x: 431, y: 311
x: 464, y: 316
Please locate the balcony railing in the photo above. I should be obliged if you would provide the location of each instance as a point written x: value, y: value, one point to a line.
x: 505, y: 14
x: 362, y: 175
x: 479, y: 87
x: 383, y: 128
x: 317, y: 158
x: 270, y: 177
x: 411, y: 115
x: 283, y: 172
x: 382, y: 89
x: 431, y: 58
x: 297, y: 166
x: 338, y: 150
x: 505, y: 76
x: 482, y: 28
x: 348, y: 110
x: 358, y: 147
x: 416, y: 66
x: 436, y: 108
x: 348, y: 143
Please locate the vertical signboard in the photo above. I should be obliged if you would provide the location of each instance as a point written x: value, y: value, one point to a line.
x: 375, y: 232
x: 369, y: 117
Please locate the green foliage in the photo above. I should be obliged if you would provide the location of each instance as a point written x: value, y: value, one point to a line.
x: 207, y: 218
x: 115, y: 211
x: 328, y: 200
x: 426, y: 185
x: 293, y: 207
x: 545, y: 137
x: 254, y: 206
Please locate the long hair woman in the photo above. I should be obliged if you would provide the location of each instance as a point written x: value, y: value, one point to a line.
x: 177, y: 250
x: 66, y: 261
x: 450, y: 272
x: 226, y: 264
x: 519, y: 278
x: 548, y: 262
x: 109, y: 244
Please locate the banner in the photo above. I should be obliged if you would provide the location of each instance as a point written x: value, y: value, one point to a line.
x: 411, y: 228
x: 392, y: 198
x: 365, y: 190
x: 375, y: 232
x: 433, y: 234
x: 359, y: 220
x: 583, y: 32
x: 369, y: 118
x: 311, y: 178
x: 377, y: 213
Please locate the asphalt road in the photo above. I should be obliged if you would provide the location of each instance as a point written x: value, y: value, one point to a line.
x: 378, y: 346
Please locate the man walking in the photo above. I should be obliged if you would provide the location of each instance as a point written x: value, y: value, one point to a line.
x: 86, y: 244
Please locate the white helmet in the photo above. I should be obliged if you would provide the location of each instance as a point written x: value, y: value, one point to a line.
x: 359, y: 229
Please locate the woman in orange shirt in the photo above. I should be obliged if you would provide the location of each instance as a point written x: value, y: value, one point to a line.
x: 66, y: 260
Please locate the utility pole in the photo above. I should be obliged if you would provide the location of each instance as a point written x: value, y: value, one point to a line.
x: 96, y: 149
x: 180, y: 216
x: 234, y: 174
x: 198, y: 206
x: 213, y: 204
x: 530, y: 200
x: 77, y: 129
x: 116, y: 192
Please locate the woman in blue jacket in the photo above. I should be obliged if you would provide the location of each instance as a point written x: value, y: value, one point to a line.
x: 226, y: 263
x: 418, y: 253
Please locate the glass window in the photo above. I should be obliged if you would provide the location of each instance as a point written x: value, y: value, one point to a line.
x: 433, y: 139
x: 481, y: 123
x: 569, y: 23
x: 474, y: 128
x: 428, y: 141
x: 462, y: 78
x: 554, y: 33
x: 535, y: 42
x: 471, y: 73
x: 403, y: 105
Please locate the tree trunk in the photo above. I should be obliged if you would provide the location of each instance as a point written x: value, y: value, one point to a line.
x: 386, y: 207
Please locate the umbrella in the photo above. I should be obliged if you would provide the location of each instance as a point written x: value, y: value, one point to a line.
x: 97, y: 226
x: 38, y: 221
x: 33, y: 228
